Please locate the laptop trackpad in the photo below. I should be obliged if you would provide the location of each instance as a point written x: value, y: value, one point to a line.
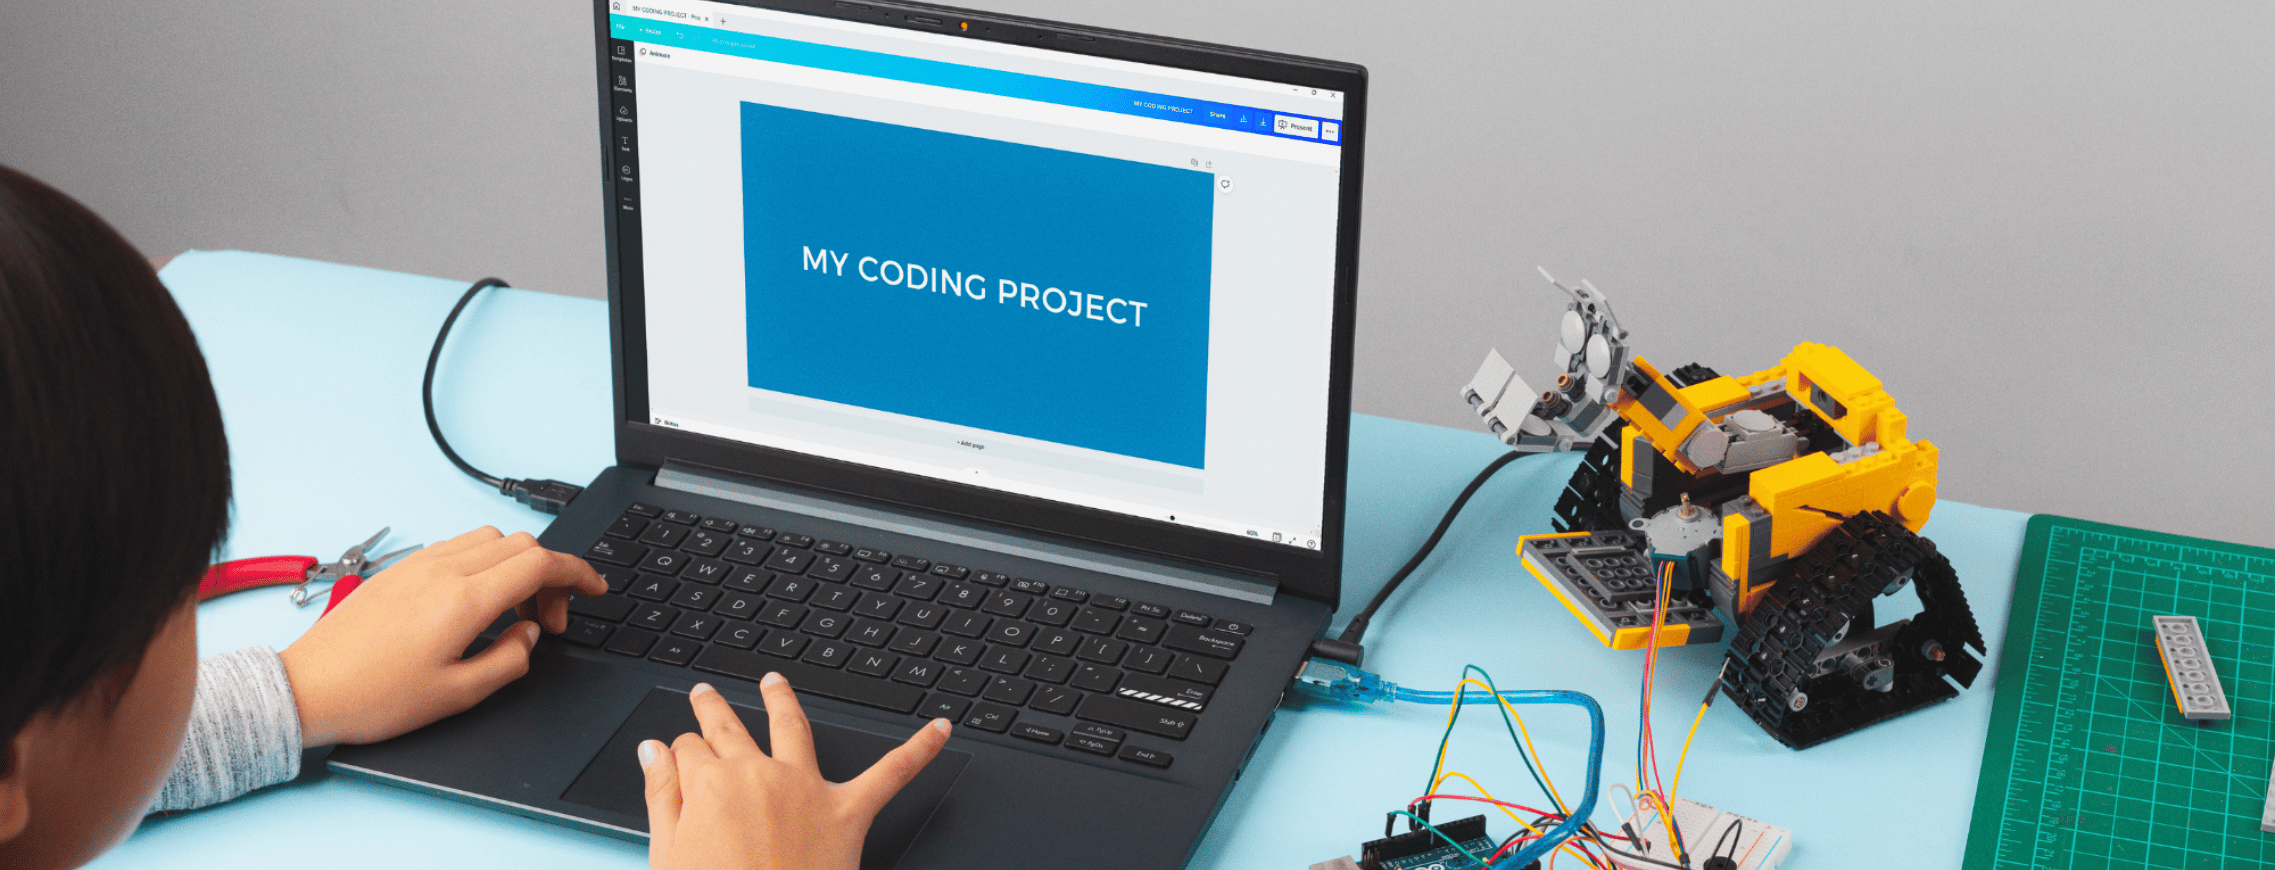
x: 613, y: 779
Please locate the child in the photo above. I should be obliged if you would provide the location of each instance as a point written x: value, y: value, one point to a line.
x: 114, y: 495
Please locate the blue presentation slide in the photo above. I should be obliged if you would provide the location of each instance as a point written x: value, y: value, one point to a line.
x: 1041, y: 293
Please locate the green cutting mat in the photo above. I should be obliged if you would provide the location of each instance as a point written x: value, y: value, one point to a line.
x: 2089, y: 764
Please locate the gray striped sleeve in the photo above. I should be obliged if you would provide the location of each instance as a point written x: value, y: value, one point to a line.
x: 244, y: 732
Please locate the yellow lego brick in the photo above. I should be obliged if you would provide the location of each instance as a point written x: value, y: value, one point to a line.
x: 1640, y: 638
x: 1716, y: 393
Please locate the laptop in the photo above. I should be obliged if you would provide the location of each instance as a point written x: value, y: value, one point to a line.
x: 966, y: 366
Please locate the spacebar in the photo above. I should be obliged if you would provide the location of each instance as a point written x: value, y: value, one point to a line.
x: 826, y: 682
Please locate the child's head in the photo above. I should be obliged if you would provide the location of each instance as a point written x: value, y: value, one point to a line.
x: 114, y: 494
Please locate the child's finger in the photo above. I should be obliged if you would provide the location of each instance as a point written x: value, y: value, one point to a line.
x: 505, y: 661
x: 792, y: 740
x: 454, y: 546
x: 885, y: 778
x: 662, y: 770
x: 722, y: 729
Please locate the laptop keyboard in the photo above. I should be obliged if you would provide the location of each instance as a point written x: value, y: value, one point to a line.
x: 899, y: 632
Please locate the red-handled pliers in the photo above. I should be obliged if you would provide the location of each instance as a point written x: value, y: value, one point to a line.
x: 344, y: 575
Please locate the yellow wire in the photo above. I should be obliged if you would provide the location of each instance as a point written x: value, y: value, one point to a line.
x: 1511, y: 813
x: 1542, y: 764
x: 1677, y: 788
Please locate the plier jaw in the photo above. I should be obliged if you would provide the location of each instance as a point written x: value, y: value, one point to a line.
x: 301, y: 571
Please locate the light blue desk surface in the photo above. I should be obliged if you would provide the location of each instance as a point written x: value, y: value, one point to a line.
x: 318, y: 368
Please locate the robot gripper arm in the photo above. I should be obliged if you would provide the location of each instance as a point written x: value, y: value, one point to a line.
x: 1594, y: 357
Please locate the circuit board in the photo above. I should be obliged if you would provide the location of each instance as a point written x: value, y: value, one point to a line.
x: 2088, y: 762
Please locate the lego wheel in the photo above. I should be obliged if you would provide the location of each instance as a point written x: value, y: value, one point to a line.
x: 1590, y: 502
x: 1808, y: 664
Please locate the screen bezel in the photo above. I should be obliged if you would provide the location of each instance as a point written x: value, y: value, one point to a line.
x: 1312, y: 574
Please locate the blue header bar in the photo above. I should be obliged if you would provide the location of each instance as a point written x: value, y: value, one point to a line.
x: 1022, y: 86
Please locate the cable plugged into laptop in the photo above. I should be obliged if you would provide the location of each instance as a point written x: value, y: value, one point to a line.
x: 544, y: 496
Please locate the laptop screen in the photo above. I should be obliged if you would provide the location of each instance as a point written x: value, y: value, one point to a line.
x: 1092, y: 281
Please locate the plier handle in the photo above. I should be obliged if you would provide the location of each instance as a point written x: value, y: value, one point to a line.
x: 343, y: 575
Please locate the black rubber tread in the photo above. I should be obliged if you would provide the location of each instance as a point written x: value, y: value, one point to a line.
x: 1590, y: 501
x: 1777, y: 645
x: 1691, y: 374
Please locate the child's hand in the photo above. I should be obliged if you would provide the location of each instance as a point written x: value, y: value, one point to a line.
x: 388, y: 658
x: 717, y: 802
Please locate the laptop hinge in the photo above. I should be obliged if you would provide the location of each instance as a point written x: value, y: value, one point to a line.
x: 716, y: 484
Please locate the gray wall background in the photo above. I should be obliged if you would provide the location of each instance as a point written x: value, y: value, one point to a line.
x: 2047, y: 226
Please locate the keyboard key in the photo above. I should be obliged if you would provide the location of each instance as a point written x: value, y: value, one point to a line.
x: 1011, y: 604
x: 661, y: 535
x: 918, y: 586
x: 1102, y: 650
x: 988, y: 717
x: 645, y: 510
x: 695, y: 626
x: 967, y: 624
x: 1153, y: 610
x: 588, y: 632
x: 1110, y: 602
x: 749, y: 580
x: 1142, y: 755
x: 664, y: 562
x: 883, y: 607
x: 1008, y: 690
x: 837, y: 598
x: 1057, y: 641
x: 1185, y: 638
x: 873, y: 663
x: 715, y: 524
x: 790, y: 588
x: 1097, y: 621
x: 651, y: 588
x: 1141, y: 629
x: 1011, y: 633
x: 1004, y: 661
x: 1197, y: 669
x: 782, y: 614
x: 1031, y: 587
x: 618, y: 578
x: 961, y: 652
x: 740, y: 635
x: 1066, y: 593
x: 1107, y: 733
x: 654, y: 618
x: 740, y: 605
x: 924, y: 615
x: 825, y: 682
x: 1097, y: 679
x: 869, y: 633
x: 914, y: 642
x: 822, y: 623
x: 991, y: 578
x: 829, y: 653
x: 1088, y: 743
x: 1038, y: 733
x: 631, y: 642
x: 1050, y: 669
x: 1190, y: 618
x: 1226, y: 625
x: 963, y: 681
x: 874, y: 578
x: 789, y: 540
x: 607, y: 607
x: 705, y: 543
x: 706, y: 571
x: 674, y: 651
x: 911, y: 563
x: 615, y: 553
x: 918, y: 672
x: 1052, y: 613
x: 1169, y: 693
x: 832, y: 548
x: 869, y: 554
x: 835, y: 569
x: 626, y: 528
x: 964, y: 595
x: 784, y: 644
x: 1136, y: 716
x: 947, y: 707
x: 755, y: 533
x: 1148, y: 660
x: 952, y: 572
x: 789, y: 561
x: 1055, y: 699
x: 694, y: 596
x: 685, y: 518
x: 748, y: 552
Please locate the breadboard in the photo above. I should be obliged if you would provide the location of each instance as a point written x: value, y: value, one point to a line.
x: 2088, y: 763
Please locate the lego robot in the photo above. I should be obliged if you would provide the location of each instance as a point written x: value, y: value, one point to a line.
x: 1788, y: 500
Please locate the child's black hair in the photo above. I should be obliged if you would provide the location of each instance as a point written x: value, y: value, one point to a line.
x: 114, y: 470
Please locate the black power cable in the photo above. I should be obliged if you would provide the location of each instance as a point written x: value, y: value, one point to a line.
x: 544, y: 496
x: 1346, y: 648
